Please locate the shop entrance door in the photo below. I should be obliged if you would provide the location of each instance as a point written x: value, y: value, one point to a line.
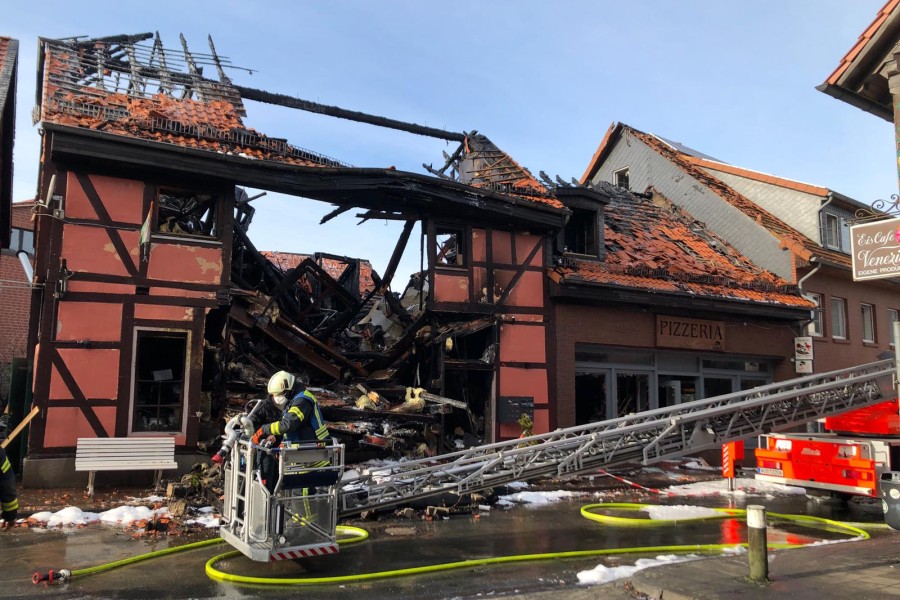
x: 632, y: 393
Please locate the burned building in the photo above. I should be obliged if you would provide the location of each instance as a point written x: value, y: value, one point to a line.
x: 153, y: 311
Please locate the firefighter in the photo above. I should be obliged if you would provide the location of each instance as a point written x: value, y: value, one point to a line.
x: 301, y: 421
x: 9, y: 502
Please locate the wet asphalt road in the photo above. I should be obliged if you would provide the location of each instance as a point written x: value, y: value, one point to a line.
x: 393, y: 544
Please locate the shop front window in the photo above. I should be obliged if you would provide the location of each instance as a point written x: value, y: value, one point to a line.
x: 676, y: 389
x: 632, y: 393
x: 590, y: 398
x: 717, y: 386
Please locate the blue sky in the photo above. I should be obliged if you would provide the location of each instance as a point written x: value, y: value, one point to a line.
x: 544, y: 80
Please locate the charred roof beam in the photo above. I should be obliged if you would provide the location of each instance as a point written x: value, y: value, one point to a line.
x: 342, y: 113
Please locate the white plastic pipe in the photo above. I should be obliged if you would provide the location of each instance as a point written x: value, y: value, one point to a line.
x: 26, y: 265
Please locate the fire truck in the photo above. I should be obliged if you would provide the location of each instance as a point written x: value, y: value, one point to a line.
x: 858, y: 449
x: 297, y: 512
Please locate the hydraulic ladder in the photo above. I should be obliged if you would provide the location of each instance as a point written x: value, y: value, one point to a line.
x: 645, y: 438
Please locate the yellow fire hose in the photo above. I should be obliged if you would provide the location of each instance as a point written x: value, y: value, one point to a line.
x: 355, y: 535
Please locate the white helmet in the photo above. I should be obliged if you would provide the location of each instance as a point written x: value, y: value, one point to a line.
x: 280, y: 384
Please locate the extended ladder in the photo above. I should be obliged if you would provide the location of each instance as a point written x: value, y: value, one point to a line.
x: 645, y: 437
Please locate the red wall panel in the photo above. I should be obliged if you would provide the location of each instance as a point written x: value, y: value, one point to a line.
x: 163, y: 313
x: 122, y: 198
x: 96, y: 321
x: 522, y: 343
x: 451, y: 288
x: 96, y: 372
x: 66, y: 424
x: 90, y: 250
x: 189, y: 264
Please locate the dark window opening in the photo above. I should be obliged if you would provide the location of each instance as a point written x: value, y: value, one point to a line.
x: 590, y: 398
x: 187, y: 213
x: 632, y: 393
x: 581, y: 232
x: 159, y: 381
x: 450, y: 247
x: 620, y: 178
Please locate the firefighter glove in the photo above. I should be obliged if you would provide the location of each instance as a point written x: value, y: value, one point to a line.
x: 217, y: 458
x: 258, y: 436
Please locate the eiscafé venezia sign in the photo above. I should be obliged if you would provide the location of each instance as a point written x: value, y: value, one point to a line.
x: 678, y: 332
x: 875, y: 248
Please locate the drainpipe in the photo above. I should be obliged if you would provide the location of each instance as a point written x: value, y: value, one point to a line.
x: 800, y: 285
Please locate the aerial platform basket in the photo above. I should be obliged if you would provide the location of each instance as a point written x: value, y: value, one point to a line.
x: 293, y: 518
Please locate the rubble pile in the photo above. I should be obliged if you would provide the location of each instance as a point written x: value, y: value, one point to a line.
x: 370, y: 354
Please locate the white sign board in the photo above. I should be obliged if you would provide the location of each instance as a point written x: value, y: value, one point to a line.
x: 875, y: 250
x: 803, y: 347
x: 803, y: 366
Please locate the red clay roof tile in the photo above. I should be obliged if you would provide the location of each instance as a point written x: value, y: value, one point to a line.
x: 802, y: 246
x: 660, y: 248
x: 864, y: 38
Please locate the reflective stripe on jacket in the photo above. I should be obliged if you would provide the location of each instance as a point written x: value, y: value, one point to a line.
x: 8, y: 499
x: 301, y: 421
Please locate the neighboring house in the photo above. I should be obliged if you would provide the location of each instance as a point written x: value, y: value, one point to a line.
x: 9, y: 55
x: 796, y: 230
x: 868, y: 76
x: 650, y: 310
x: 15, y: 293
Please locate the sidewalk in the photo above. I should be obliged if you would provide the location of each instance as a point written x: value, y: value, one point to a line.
x: 865, y: 570
x: 852, y: 570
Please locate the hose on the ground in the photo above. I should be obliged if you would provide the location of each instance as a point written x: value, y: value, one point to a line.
x: 355, y: 535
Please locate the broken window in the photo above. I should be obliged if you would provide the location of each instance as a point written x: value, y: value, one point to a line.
x: 582, y: 232
x: 187, y: 213
x: 620, y: 178
x: 450, y: 247
x: 159, y: 380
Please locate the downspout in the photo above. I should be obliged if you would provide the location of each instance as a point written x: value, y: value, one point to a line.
x: 800, y: 281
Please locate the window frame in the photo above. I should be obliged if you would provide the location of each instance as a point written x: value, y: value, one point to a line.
x: 137, y: 333
x: 588, y: 222
x: 16, y: 239
x: 842, y: 321
x: 816, y: 327
x: 440, y: 246
x: 868, y: 331
x: 892, y: 315
x: 620, y: 174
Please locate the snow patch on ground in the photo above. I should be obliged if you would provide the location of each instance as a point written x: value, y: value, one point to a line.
x: 679, y: 511
x: 71, y: 516
x: 604, y: 574
x: 535, y: 498
x: 126, y: 515
x: 742, y: 487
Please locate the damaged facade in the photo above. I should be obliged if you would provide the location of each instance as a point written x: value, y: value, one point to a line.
x: 796, y: 230
x: 158, y: 313
x: 656, y: 310
x: 154, y: 314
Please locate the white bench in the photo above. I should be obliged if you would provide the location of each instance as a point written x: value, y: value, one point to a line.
x: 124, y: 454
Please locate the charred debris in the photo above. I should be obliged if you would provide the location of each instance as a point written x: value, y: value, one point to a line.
x: 413, y: 373
x: 375, y: 359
